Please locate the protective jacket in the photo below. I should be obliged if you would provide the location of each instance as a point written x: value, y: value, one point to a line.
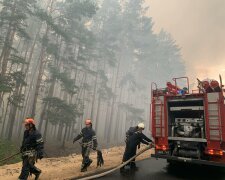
x: 89, y: 137
x: 134, y: 140
x: 32, y: 140
x: 31, y: 149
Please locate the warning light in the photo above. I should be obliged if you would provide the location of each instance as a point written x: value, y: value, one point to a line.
x: 214, y: 152
x: 161, y: 147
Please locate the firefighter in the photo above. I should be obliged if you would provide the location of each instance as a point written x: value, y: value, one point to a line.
x: 89, y: 142
x: 206, y: 86
x: 31, y: 149
x: 134, y: 137
x: 215, y: 86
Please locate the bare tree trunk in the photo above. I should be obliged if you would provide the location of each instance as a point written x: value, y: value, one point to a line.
x: 94, y: 95
x: 113, y: 103
x: 69, y: 132
x: 50, y: 94
x: 98, y: 114
x: 55, y: 131
x: 107, y: 122
x: 39, y: 79
x: 45, y: 130
x: 116, y: 132
x: 12, y: 116
x: 60, y: 131
x: 4, y: 120
x: 41, y: 67
x: 64, y: 138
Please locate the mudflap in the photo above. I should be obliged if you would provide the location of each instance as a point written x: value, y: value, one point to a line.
x: 187, y: 160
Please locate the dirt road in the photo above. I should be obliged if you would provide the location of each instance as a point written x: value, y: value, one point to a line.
x: 68, y: 167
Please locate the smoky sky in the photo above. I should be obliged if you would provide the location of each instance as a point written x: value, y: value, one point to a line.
x: 198, y: 26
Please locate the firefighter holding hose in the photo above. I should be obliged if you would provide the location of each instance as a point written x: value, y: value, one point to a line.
x: 134, y: 137
x: 89, y: 142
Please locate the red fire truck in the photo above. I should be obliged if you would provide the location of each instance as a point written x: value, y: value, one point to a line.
x: 189, y: 126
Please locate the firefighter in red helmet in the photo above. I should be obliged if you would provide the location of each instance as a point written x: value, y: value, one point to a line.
x: 215, y: 86
x: 31, y: 149
x: 89, y: 142
x: 206, y: 86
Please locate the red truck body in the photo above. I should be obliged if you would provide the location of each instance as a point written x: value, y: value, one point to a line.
x: 188, y: 126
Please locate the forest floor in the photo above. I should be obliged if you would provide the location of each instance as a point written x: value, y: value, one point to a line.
x: 69, y: 166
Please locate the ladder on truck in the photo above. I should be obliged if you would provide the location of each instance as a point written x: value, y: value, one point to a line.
x: 158, y: 112
x: 214, y: 117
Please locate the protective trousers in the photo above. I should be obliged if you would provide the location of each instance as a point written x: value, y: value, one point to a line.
x: 29, y: 168
x: 85, y: 154
x: 130, y: 151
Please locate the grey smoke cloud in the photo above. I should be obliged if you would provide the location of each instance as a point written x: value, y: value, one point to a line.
x: 198, y: 26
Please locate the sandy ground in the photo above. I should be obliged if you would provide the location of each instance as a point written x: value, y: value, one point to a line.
x: 68, y: 167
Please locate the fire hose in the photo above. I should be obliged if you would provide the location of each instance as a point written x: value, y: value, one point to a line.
x: 7, y: 158
x: 12, y: 156
x: 118, y: 167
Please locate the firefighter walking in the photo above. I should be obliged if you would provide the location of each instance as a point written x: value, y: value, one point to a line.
x: 89, y: 141
x: 31, y: 149
x: 134, y: 137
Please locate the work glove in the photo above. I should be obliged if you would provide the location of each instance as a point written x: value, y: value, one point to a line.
x: 100, y: 160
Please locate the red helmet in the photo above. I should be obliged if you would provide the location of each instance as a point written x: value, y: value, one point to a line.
x: 29, y: 121
x: 214, y: 84
x: 88, y: 122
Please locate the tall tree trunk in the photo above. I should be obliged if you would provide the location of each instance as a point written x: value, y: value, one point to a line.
x: 107, y: 127
x: 39, y: 80
x: 45, y: 130
x: 60, y: 131
x: 94, y: 95
x: 50, y: 94
x: 116, y: 132
x: 69, y: 132
x: 98, y: 114
x: 113, y: 104
x: 65, y: 133
x: 4, y: 119
x: 12, y: 115
x: 41, y: 67
x: 55, y: 131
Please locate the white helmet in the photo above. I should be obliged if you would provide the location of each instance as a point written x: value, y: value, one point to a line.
x: 141, y: 126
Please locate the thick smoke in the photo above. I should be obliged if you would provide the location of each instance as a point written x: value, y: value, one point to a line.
x: 198, y: 27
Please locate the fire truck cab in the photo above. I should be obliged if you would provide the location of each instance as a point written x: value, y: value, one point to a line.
x: 189, y: 126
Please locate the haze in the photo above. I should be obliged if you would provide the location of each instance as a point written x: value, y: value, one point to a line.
x: 198, y: 28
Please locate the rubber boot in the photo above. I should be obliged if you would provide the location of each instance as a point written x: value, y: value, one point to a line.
x: 133, y: 166
x: 37, y: 175
x: 83, y: 168
x: 89, y: 163
x: 122, y: 169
